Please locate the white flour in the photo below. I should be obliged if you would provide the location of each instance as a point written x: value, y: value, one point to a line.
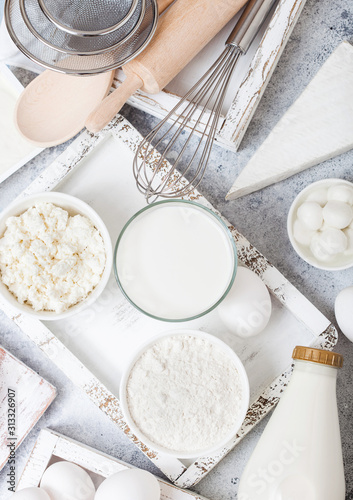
x: 184, y: 393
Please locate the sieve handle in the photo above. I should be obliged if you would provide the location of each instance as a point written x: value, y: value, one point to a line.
x: 249, y: 24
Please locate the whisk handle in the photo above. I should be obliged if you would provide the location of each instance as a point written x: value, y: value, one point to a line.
x: 249, y: 24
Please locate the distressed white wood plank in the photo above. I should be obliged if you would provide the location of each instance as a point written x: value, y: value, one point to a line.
x: 262, y: 66
x: 51, y: 445
x: 60, y: 168
x: 33, y: 395
x: 322, y: 332
x: 38, y: 460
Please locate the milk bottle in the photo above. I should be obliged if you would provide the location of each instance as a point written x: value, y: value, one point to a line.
x: 299, y: 455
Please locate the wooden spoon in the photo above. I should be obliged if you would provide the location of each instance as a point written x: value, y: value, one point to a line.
x: 54, y: 106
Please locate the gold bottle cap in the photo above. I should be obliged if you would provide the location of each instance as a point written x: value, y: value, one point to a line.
x: 318, y: 356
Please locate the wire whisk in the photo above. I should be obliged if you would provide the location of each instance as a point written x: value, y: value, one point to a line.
x: 200, y: 108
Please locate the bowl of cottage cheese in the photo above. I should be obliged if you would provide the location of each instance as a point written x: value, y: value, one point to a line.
x: 185, y: 394
x: 55, y: 255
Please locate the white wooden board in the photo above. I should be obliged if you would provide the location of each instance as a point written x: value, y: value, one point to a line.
x: 32, y: 396
x: 93, y: 346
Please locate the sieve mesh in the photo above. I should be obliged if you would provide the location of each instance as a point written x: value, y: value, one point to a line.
x: 50, y: 58
x: 48, y: 33
x: 88, y: 16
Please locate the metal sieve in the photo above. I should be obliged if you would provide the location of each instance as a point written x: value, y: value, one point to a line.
x: 60, y: 61
x: 48, y: 33
x: 92, y: 17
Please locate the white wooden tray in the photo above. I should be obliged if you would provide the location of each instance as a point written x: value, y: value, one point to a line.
x: 249, y: 81
x: 93, y: 346
x: 52, y: 447
x: 33, y: 396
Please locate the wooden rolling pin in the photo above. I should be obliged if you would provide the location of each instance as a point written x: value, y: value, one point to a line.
x: 182, y: 32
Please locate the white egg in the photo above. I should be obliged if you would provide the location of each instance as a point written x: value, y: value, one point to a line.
x: 246, y: 309
x: 301, y: 233
x: 129, y: 484
x: 318, y: 195
x: 31, y: 494
x: 310, y: 214
x: 349, y: 234
x: 344, y: 311
x: 337, y: 214
x: 340, y: 192
x: 67, y: 481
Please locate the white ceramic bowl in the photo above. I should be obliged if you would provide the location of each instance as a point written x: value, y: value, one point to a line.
x: 180, y: 453
x: 73, y: 206
x: 342, y: 262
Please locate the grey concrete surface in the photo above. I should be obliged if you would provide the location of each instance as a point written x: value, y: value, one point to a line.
x: 261, y: 217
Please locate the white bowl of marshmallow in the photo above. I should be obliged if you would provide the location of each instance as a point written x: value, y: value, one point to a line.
x: 320, y: 224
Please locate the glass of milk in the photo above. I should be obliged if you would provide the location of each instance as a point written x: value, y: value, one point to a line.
x: 175, y: 260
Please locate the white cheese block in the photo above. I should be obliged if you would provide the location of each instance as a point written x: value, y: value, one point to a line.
x: 318, y: 126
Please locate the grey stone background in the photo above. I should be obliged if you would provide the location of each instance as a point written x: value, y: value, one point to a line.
x: 261, y: 217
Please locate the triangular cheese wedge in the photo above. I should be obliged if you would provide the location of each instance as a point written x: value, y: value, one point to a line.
x: 318, y: 126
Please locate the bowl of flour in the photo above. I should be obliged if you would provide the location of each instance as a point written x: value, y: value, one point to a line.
x: 185, y: 394
x: 55, y: 255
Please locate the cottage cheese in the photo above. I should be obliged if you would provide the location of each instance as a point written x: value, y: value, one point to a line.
x: 49, y: 259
